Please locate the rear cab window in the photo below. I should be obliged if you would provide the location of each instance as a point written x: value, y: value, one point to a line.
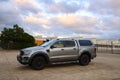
x: 85, y: 43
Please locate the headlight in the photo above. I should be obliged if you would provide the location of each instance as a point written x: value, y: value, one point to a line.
x: 27, y: 52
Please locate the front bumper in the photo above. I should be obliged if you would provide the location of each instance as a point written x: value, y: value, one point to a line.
x: 23, y: 60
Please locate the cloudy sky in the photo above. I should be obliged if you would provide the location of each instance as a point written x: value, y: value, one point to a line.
x: 63, y: 18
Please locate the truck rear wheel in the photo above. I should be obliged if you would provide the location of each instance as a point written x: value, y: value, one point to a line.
x: 84, y: 59
x: 38, y: 63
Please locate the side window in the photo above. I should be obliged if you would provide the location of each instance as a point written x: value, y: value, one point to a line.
x: 58, y: 44
x: 65, y: 43
x: 69, y: 43
x: 85, y: 42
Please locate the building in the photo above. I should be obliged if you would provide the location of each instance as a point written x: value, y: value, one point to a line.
x: 39, y: 39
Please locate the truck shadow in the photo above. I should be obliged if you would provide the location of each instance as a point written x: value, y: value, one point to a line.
x: 62, y: 64
x: 54, y: 66
x: 58, y: 65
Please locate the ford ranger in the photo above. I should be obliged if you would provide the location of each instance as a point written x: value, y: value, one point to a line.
x: 59, y: 50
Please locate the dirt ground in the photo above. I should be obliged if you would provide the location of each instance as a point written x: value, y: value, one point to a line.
x: 105, y: 66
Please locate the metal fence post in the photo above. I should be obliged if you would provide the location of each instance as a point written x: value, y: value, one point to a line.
x: 112, y: 47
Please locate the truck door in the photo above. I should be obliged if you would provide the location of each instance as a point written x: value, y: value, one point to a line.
x: 64, y: 50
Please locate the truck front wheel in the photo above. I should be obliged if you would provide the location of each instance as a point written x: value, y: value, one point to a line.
x: 84, y: 59
x: 38, y: 63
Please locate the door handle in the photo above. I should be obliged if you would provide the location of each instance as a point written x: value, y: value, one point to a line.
x: 62, y: 49
x: 74, y: 48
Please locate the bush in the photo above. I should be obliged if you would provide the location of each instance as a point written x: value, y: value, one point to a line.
x: 16, y: 38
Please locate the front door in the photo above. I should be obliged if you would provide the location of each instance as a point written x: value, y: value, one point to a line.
x: 64, y: 50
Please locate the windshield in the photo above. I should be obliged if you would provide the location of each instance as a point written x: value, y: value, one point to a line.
x: 48, y: 43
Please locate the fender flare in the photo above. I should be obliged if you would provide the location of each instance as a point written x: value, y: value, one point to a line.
x: 85, y: 52
x: 43, y: 54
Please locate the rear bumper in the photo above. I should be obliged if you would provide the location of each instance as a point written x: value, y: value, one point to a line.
x: 23, y: 60
x: 94, y: 56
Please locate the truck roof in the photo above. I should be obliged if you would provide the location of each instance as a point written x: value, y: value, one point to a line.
x: 73, y: 39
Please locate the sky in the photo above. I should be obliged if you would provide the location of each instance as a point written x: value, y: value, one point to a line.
x: 63, y: 18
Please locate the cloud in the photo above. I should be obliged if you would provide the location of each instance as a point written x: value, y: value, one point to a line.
x: 106, y: 7
x: 28, y: 6
x: 46, y: 1
x: 4, y: 0
x: 111, y: 22
x: 9, y: 15
x: 62, y: 7
x: 78, y: 23
x: 88, y: 18
x: 35, y: 20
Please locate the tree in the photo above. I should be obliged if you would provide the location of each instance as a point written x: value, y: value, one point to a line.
x: 16, y: 38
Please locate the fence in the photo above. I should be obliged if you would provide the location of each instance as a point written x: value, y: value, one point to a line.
x: 108, y: 48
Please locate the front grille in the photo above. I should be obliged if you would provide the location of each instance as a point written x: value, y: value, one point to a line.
x: 21, y: 53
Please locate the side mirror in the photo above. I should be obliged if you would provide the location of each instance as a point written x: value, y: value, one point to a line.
x: 52, y: 47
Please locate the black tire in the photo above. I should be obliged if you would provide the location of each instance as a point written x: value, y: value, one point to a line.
x: 84, y: 59
x: 38, y: 63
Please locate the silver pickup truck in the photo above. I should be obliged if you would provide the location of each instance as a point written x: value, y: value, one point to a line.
x: 59, y: 50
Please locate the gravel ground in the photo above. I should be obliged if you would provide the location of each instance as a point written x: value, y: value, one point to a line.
x: 104, y: 67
